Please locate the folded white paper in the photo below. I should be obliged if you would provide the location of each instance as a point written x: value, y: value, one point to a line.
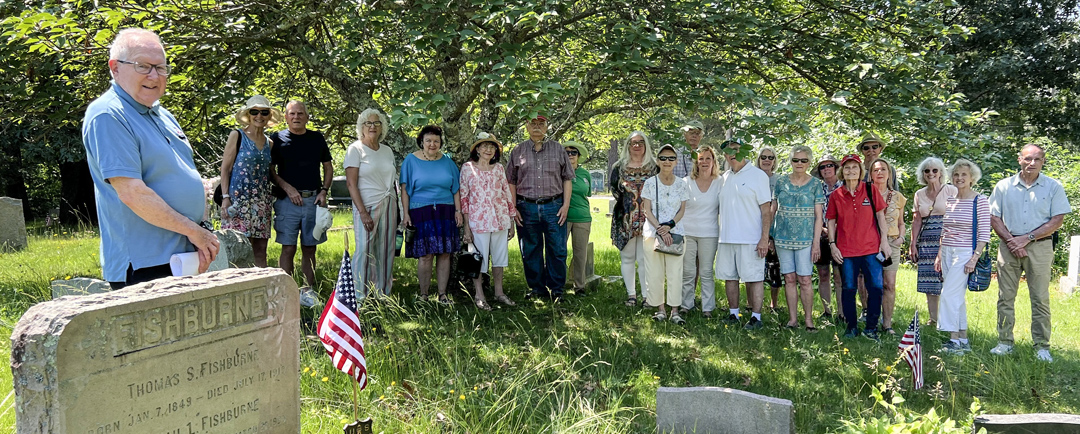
x: 184, y: 264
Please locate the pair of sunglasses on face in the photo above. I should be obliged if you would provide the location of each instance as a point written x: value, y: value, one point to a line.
x: 826, y: 166
x: 264, y: 112
x: 667, y: 158
x: 572, y: 153
x: 875, y: 146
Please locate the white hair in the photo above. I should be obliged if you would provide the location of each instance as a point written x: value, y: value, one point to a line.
x: 929, y: 163
x: 973, y: 169
x: 129, y: 38
x: 649, y: 160
x: 365, y: 115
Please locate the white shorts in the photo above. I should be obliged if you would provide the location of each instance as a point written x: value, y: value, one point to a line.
x: 495, y: 248
x: 739, y: 262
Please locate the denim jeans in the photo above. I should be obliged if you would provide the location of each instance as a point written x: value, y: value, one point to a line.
x: 870, y: 268
x: 543, y: 246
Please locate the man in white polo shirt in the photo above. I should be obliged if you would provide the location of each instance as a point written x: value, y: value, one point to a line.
x: 745, y: 219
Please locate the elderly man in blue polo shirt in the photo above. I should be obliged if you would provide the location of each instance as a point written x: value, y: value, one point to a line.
x: 150, y: 198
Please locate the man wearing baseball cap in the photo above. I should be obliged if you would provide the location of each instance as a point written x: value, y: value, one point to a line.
x: 541, y: 178
x: 692, y: 131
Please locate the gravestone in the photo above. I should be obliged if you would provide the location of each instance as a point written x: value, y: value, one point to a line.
x: 599, y: 180
x: 1068, y: 282
x: 12, y: 225
x: 213, y: 353
x: 715, y: 410
x: 610, y: 206
x: 237, y: 248
x: 1048, y: 423
x: 79, y: 286
x: 591, y: 279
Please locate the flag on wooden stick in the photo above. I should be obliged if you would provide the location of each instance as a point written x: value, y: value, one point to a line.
x: 911, y: 350
x: 339, y: 327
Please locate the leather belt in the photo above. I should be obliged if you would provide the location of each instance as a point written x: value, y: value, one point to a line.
x: 541, y: 200
x: 308, y: 193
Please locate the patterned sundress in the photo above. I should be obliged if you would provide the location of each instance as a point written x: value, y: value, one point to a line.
x: 249, y: 186
x: 628, y: 219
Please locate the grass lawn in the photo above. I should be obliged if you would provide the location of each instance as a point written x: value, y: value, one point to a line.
x: 592, y: 365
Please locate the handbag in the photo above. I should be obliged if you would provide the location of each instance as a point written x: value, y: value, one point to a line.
x: 678, y: 244
x: 887, y: 261
x: 979, y: 279
x: 469, y: 261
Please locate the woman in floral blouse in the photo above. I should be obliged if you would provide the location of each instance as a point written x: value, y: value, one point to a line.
x: 489, y: 213
x: 636, y: 164
x: 245, y: 175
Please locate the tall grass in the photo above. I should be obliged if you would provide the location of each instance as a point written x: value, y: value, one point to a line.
x: 592, y: 365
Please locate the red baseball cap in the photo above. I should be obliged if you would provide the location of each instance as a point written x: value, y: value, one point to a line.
x: 850, y: 157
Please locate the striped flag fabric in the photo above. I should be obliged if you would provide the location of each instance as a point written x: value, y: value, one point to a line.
x: 911, y: 351
x: 339, y: 327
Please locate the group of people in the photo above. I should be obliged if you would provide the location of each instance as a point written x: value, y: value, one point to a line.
x: 684, y: 215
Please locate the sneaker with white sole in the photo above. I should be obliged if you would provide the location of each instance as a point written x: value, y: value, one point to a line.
x: 308, y: 297
x: 1001, y: 350
x: 1044, y: 355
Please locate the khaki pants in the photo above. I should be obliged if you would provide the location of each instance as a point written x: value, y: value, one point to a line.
x: 662, y: 268
x: 1036, y: 267
x: 579, y: 242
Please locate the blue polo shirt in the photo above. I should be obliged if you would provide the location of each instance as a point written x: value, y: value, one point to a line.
x: 124, y: 138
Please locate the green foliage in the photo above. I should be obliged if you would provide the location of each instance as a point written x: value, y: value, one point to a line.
x: 900, y: 420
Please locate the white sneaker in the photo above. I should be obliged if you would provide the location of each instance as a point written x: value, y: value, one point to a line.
x: 1044, y: 355
x: 308, y: 297
x: 1003, y: 349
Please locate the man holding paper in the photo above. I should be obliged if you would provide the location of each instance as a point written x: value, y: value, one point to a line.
x: 149, y: 194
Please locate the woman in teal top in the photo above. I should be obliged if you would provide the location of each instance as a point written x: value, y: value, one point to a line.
x: 798, y: 200
x: 578, y: 217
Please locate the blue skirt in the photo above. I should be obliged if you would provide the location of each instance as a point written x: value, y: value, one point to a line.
x: 928, y: 244
x: 436, y: 231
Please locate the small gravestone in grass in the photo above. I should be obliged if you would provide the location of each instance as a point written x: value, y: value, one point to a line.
x: 716, y: 410
x: 12, y: 225
x: 1043, y: 423
x: 214, y: 353
x: 1069, y: 281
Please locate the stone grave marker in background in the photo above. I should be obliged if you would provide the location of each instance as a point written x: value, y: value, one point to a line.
x: 1049, y: 423
x: 1068, y: 282
x: 213, y: 353
x: 716, y: 410
x: 591, y: 279
x: 79, y: 286
x: 236, y: 248
x: 12, y: 225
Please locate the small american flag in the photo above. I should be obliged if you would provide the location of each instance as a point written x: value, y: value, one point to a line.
x: 339, y: 327
x: 911, y: 349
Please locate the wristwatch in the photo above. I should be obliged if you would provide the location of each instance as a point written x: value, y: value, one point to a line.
x: 1031, y: 236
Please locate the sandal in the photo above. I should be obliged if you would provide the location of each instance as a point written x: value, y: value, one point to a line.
x: 631, y: 302
x: 811, y: 329
x: 505, y: 300
x: 660, y: 316
x: 707, y: 314
x: 889, y: 330
x: 483, y: 305
x: 443, y: 299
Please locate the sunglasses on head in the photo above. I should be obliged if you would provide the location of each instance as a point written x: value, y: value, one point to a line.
x: 572, y: 152
x: 667, y: 158
x: 929, y: 170
x: 826, y: 166
x: 869, y: 147
x: 800, y: 160
x: 768, y: 157
x: 264, y: 112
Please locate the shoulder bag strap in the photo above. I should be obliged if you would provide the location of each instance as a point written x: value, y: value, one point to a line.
x: 873, y: 209
x: 974, y: 224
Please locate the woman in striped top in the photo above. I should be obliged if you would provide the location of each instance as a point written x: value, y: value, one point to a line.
x: 956, y: 257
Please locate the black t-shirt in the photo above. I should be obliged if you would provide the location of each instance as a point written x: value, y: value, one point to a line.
x: 300, y: 157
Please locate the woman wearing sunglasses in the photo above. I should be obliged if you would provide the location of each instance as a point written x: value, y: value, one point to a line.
x: 930, y: 207
x: 578, y: 216
x: 246, y: 202
x: 664, y: 200
x: 767, y: 161
x: 798, y: 200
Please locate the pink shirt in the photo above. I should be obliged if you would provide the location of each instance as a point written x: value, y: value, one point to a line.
x: 485, y: 198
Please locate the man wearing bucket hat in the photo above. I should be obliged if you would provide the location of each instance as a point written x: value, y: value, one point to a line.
x: 541, y: 180
x: 296, y: 158
x: 149, y: 193
x: 827, y: 169
x: 579, y: 217
x: 692, y: 131
x: 871, y: 146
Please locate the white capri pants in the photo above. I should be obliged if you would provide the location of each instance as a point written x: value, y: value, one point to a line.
x: 952, y: 305
x: 495, y: 248
x: 634, y: 253
x: 663, y: 267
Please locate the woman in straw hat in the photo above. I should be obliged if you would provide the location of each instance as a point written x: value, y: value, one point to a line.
x: 246, y: 203
x: 579, y: 216
x: 489, y: 213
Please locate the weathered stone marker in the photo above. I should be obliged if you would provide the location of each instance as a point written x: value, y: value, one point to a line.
x: 79, y: 286
x: 715, y: 410
x: 1028, y: 423
x: 1068, y: 282
x: 12, y: 225
x: 214, y: 353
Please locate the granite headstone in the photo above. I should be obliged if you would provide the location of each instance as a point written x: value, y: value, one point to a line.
x: 12, y: 225
x: 716, y: 410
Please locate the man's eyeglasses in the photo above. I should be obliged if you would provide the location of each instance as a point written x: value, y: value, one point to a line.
x: 144, y: 68
x: 264, y: 112
x: 826, y: 166
x: 667, y: 158
x: 875, y: 146
x: 373, y: 124
x: 572, y: 152
x: 930, y: 170
x: 768, y: 157
x: 800, y: 160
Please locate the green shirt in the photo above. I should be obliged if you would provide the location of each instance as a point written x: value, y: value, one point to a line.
x: 579, y: 198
